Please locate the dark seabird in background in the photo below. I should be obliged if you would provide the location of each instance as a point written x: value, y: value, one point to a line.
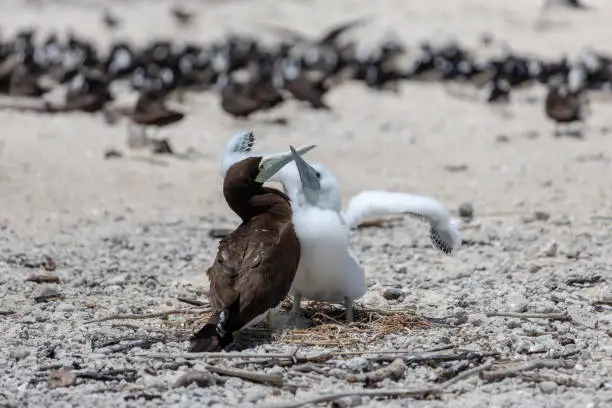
x: 565, y: 101
x: 255, y: 264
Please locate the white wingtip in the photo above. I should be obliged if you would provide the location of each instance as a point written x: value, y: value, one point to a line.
x: 446, y: 236
x: 236, y: 149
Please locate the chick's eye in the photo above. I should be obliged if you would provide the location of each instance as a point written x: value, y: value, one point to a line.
x: 318, y: 175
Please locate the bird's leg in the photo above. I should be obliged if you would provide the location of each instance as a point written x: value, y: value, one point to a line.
x: 348, y: 304
x: 269, y: 320
x: 294, y: 315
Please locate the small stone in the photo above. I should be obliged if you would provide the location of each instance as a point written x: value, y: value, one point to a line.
x: 254, y: 396
x: 346, y: 402
x: 392, y: 293
x: 513, y: 324
x: 502, y: 138
x: 198, y: 377
x: 548, y: 387
x: 572, y: 254
x: 534, y: 268
x: 357, y: 363
x: 550, y: 250
x: 65, y: 307
x: 276, y: 370
x: 61, y: 378
x: 466, y: 212
x: 606, y: 297
x: 234, y: 383
x: 19, y: 353
x: 541, y: 216
x: 112, y: 154
x: 517, y: 302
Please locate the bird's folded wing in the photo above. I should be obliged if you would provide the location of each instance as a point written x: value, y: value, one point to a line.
x: 376, y: 203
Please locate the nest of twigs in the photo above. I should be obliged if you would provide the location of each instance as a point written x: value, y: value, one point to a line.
x: 331, y: 329
x: 327, y: 326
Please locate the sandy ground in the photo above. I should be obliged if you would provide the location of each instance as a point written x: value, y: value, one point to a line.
x: 130, y: 236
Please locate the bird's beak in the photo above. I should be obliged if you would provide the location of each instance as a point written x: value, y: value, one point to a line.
x: 270, y: 165
x: 308, y: 176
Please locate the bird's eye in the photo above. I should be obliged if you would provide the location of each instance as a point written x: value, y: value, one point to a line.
x: 318, y: 175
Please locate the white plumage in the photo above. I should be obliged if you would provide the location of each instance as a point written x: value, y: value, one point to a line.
x: 328, y: 270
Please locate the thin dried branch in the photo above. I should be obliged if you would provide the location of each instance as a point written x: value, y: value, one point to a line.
x: 42, y: 279
x: 145, y: 316
x: 297, y: 358
x: 568, y: 382
x: 276, y: 380
x: 436, y: 358
x: 321, y: 357
x: 468, y: 373
x: 552, y: 316
x: 533, y: 365
x: 402, y: 392
x: 192, y: 302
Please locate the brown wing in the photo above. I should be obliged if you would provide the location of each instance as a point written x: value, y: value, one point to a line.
x: 255, y: 267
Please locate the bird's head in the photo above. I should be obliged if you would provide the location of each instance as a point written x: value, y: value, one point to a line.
x: 312, y: 184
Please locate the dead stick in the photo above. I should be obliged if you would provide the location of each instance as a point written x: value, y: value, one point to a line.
x: 389, y: 393
x: 144, y: 316
x: 369, y: 393
x: 42, y: 279
x: 192, y: 302
x: 468, y: 373
x: 533, y: 365
x: 317, y: 357
x: 247, y: 375
x: 553, y: 316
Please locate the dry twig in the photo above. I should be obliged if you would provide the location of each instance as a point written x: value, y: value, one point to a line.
x: 552, y: 316
x: 144, y: 316
x: 402, y: 392
x: 192, y: 302
x: 533, y: 365
x: 276, y: 380
x: 416, y: 393
x: 42, y: 279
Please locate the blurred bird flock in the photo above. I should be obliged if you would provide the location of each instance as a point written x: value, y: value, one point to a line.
x: 249, y: 75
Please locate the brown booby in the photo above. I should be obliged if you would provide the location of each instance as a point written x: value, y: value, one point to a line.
x: 564, y: 104
x: 255, y: 264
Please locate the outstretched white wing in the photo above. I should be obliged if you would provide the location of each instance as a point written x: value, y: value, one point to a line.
x: 375, y: 203
x: 238, y: 147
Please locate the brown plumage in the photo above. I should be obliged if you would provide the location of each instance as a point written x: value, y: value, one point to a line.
x: 306, y: 90
x: 91, y: 95
x: 563, y: 105
x: 110, y: 21
x: 24, y: 82
x: 181, y: 15
x: 255, y: 264
x: 241, y: 100
x: 151, y: 110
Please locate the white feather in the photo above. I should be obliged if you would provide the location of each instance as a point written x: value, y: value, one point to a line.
x: 328, y: 270
x: 376, y: 203
x: 237, y: 148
